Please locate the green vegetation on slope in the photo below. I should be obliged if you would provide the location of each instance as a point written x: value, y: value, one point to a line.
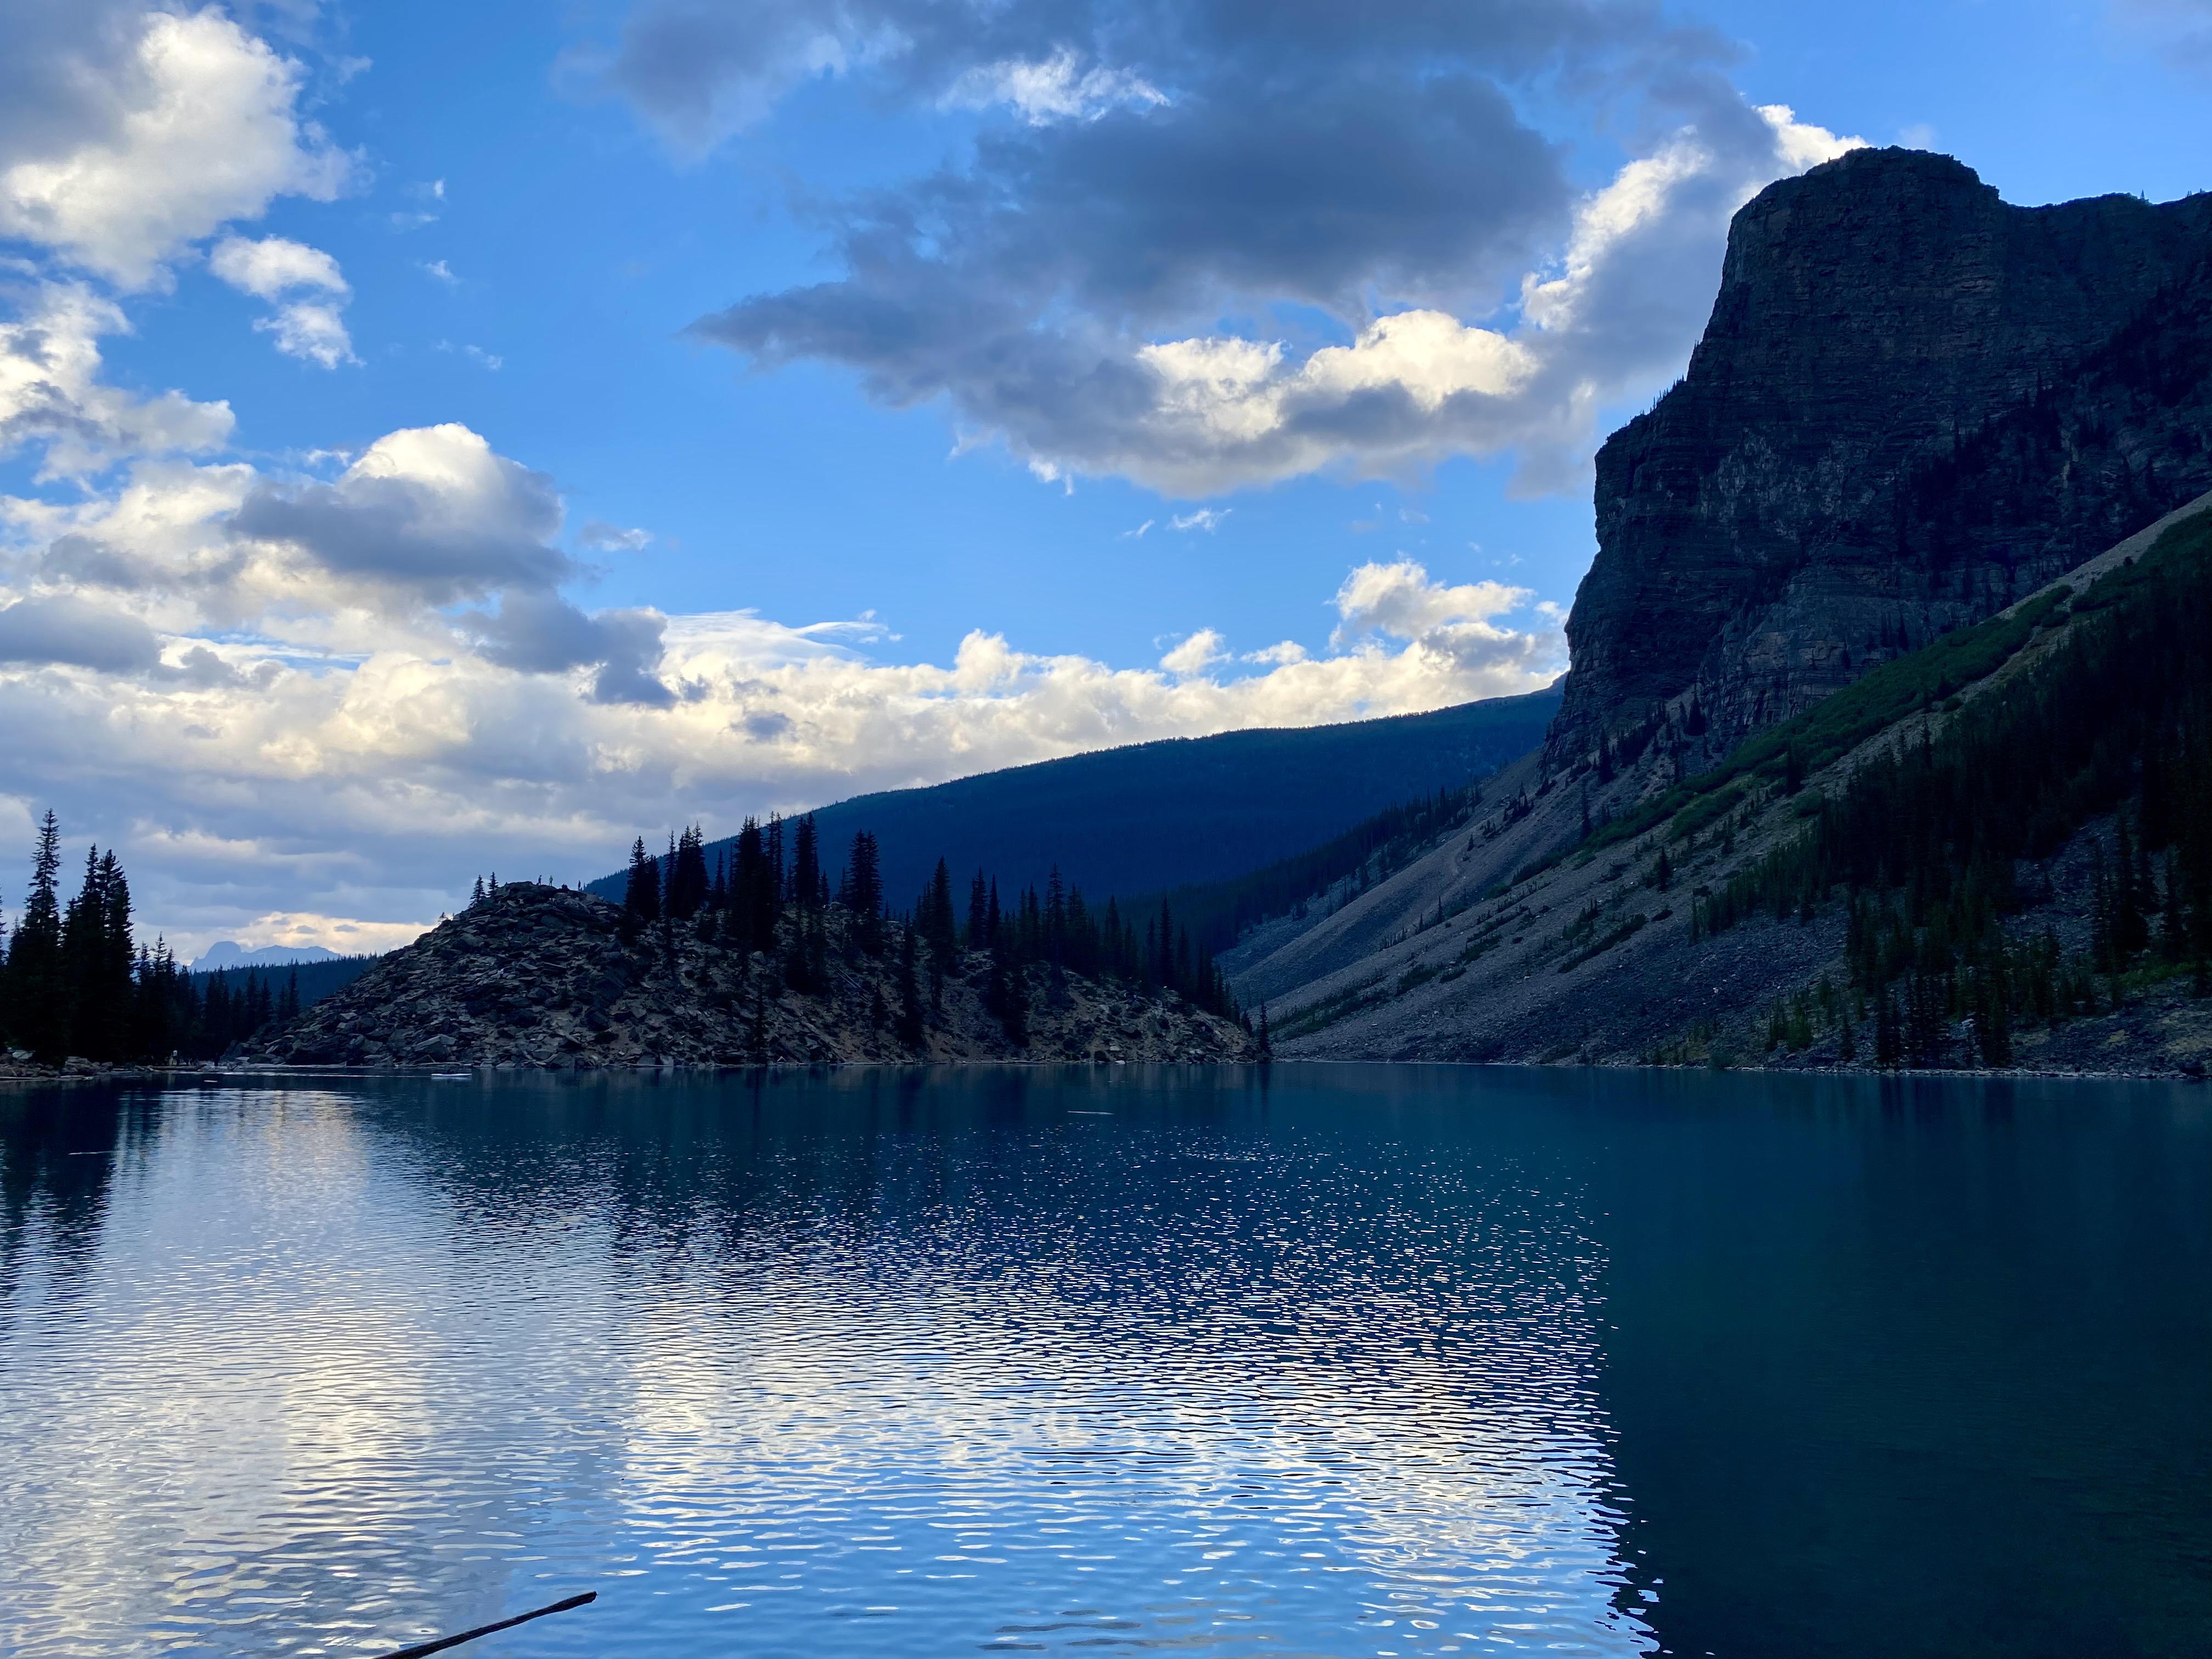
x: 1837, y: 725
x: 1923, y: 843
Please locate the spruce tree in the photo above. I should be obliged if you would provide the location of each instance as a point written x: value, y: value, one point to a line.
x: 909, y: 993
x: 806, y: 865
x: 934, y: 915
x: 864, y: 894
x: 687, y: 875
x: 979, y: 916
x: 34, y: 957
x: 641, y: 892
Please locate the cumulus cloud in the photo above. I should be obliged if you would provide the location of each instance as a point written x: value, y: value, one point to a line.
x: 276, y: 267
x: 1195, y: 655
x: 51, y: 394
x: 1070, y: 387
x: 162, y: 127
x: 431, y: 512
x: 1408, y: 273
x: 311, y: 330
x: 273, y: 265
x: 64, y: 629
x: 262, y: 689
x: 544, y: 633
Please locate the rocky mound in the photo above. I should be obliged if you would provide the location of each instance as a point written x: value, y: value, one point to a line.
x: 536, y: 977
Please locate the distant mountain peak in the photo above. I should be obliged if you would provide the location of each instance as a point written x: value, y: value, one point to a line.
x: 229, y: 953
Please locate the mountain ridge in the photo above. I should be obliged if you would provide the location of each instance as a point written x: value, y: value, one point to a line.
x: 1145, y: 819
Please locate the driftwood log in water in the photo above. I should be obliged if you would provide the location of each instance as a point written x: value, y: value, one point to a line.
x: 445, y: 1642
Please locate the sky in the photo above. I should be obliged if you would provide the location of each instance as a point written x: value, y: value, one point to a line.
x: 445, y: 440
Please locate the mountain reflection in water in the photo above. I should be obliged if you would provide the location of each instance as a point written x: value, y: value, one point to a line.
x: 1344, y: 1360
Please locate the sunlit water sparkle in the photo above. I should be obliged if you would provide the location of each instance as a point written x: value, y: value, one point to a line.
x: 861, y: 1362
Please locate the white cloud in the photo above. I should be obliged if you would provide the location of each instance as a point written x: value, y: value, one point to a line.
x: 1617, y: 312
x: 474, y: 354
x: 51, y: 394
x: 1195, y: 655
x: 1050, y: 89
x: 274, y: 264
x: 603, y: 538
x: 441, y: 269
x: 1207, y: 518
x: 262, y: 691
x: 203, y: 131
x: 312, y: 332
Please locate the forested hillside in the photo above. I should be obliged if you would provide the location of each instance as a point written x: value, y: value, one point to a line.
x: 1995, y: 850
x: 1155, y: 816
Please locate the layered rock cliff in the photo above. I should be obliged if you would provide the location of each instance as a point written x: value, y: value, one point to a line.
x: 1913, y: 404
x: 546, y: 977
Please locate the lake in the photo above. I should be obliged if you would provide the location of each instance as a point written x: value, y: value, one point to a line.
x: 1336, y: 1360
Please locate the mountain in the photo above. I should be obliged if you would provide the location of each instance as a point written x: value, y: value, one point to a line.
x: 1994, y: 851
x: 231, y: 955
x: 1156, y: 815
x: 1885, y: 737
x: 1913, y: 404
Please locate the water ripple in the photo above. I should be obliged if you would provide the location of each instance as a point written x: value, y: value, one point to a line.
x: 339, y: 1370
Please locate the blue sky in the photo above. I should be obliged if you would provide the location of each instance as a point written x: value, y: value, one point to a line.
x: 1037, y: 378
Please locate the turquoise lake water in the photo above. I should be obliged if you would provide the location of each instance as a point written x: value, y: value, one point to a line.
x: 1340, y: 1360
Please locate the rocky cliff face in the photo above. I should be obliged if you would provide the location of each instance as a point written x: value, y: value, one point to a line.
x: 1913, y: 404
x: 536, y: 977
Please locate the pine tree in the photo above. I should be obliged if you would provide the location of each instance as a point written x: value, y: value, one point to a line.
x: 979, y: 918
x: 864, y: 894
x: 933, y: 915
x: 34, y: 957
x: 910, y: 991
x: 806, y: 879
x: 687, y: 875
x: 641, y: 892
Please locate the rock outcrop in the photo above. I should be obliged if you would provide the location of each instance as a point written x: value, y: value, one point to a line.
x: 537, y: 976
x: 1913, y: 404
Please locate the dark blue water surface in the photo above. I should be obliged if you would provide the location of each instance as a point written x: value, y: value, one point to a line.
x: 1340, y: 1361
